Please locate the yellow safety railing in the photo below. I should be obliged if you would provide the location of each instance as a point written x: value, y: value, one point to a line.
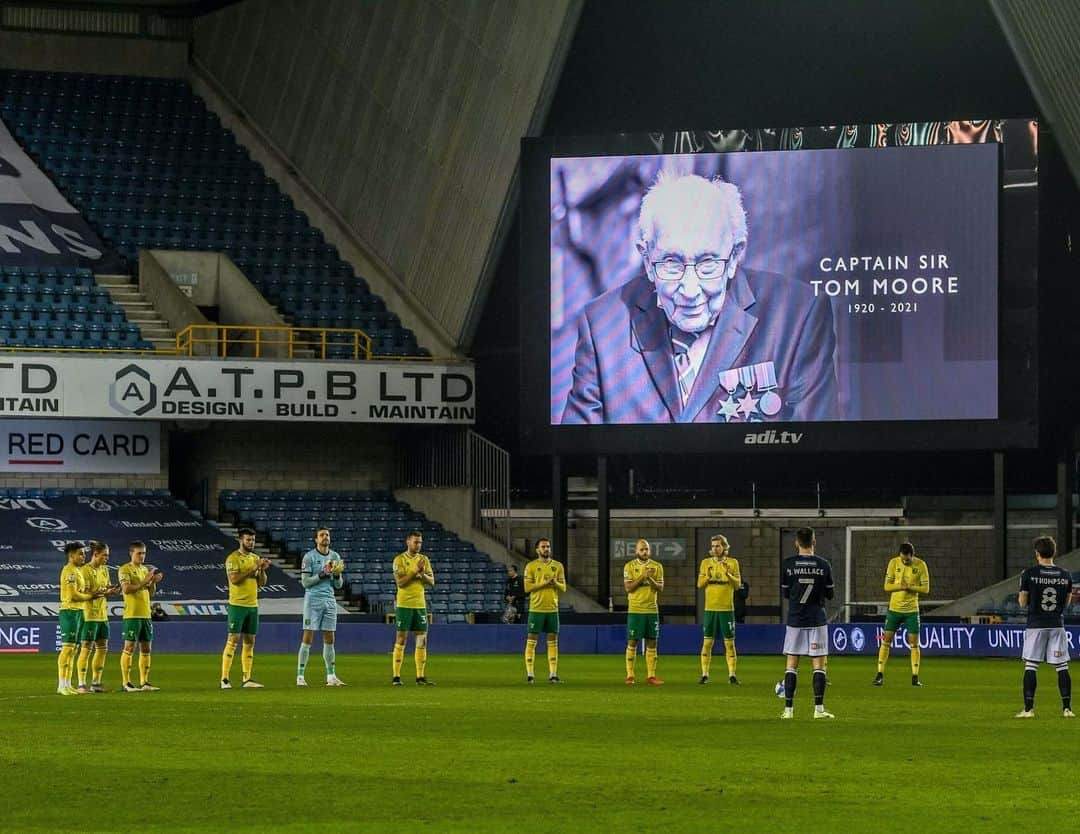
x: 261, y: 341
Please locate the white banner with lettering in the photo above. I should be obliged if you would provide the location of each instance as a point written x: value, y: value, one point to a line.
x: 80, y: 446
x: 217, y: 389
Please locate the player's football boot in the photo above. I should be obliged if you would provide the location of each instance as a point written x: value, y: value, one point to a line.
x: 1068, y: 713
x: 734, y: 681
x: 250, y: 684
x: 530, y: 679
x: 879, y: 679
x: 630, y: 681
x: 704, y: 679
x: 300, y: 681
x: 225, y: 684
x: 396, y: 682
x: 654, y: 681
x: 823, y: 714
x: 1025, y: 713
x: 83, y: 689
x: 149, y: 687
x: 130, y: 687
x: 554, y: 679
x: 334, y: 680
x: 97, y: 687
x: 424, y: 682
x: 787, y: 714
x: 915, y: 680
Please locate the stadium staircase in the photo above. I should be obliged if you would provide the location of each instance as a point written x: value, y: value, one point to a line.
x: 150, y: 167
x: 139, y: 310
x: 368, y: 529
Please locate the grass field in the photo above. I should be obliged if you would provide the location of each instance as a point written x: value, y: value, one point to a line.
x: 482, y: 751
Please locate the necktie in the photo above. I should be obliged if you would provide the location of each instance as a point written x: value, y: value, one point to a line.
x: 684, y: 368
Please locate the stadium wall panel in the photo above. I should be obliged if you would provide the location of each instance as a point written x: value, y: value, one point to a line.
x: 968, y: 559
x: 404, y: 117
x: 83, y: 480
x: 287, y: 456
x: 109, y: 55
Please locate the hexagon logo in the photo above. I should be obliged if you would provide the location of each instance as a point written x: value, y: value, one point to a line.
x: 132, y: 392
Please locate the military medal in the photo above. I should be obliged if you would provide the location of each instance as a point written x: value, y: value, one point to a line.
x: 765, y: 379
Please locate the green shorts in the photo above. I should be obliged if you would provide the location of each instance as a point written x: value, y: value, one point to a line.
x: 70, y: 625
x: 411, y: 619
x: 642, y: 625
x: 94, y: 630
x: 895, y: 619
x: 543, y: 622
x: 138, y: 630
x: 243, y: 619
x: 720, y: 624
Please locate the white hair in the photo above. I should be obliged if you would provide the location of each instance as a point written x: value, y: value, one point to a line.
x: 671, y: 195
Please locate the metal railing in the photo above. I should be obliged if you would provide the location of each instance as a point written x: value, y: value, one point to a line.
x: 273, y: 340
x: 462, y: 458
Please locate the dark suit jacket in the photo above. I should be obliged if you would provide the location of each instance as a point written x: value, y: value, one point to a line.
x: 624, y: 370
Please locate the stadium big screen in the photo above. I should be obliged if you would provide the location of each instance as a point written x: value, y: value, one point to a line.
x: 844, y: 287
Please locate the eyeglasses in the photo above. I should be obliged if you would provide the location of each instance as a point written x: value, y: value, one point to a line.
x: 672, y: 269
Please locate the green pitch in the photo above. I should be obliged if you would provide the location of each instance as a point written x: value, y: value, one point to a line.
x: 482, y: 751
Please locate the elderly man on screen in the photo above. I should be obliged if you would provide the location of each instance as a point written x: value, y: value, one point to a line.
x: 696, y: 338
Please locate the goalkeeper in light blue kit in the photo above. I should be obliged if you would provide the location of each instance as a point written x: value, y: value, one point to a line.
x: 320, y: 573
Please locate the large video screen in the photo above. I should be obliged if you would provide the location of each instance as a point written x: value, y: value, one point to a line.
x: 790, y: 285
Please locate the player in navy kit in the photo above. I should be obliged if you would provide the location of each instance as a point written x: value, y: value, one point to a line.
x: 806, y: 582
x: 1045, y: 591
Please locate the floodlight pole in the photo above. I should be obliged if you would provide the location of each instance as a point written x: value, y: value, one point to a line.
x: 1001, y: 521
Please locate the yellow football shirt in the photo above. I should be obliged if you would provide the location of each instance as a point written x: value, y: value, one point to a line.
x: 644, y: 599
x: 917, y: 578
x: 412, y: 594
x: 97, y: 579
x: 136, y: 605
x: 720, y: 579
x: 72, y: 588
x: 544, y: 600
x: 246, y: 593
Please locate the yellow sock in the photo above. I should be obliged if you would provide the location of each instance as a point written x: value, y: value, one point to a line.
x: 916, y: 659
x: 882, y: 656
x: 125, y: 667
x: 631, y: 656
x: 247, y: 659
x: 420, y: 659
x: 530, y: 655
x: 706, y: 656
x: 97, y: 666
x: 84, y: 663
x: 226, y: 662
x: 70, y: 670
x: 650, y: 661
x: 144, y: 668
x: 553, y: 656
x: 730, y: 656
x: 62, y: 663
x: 399, y: 658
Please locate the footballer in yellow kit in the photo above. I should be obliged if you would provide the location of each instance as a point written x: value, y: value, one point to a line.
x: 906, y: 578
x: 72, y: 596
x: 643, y: 580
x: 545, y: 579
x: 413, y: 574
x: 138, y: 581
x: 94, y: 635
x: 247, y: 572
x: 719, y: 576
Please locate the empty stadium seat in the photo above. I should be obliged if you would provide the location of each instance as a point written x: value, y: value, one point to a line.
x: 149, y: 166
